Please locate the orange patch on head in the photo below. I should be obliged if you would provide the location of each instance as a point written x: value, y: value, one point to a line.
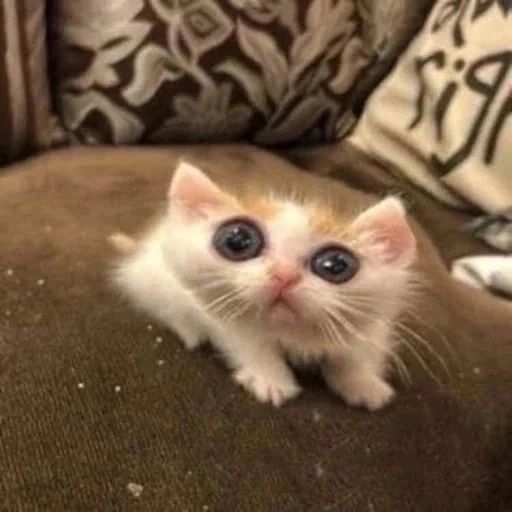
x: 326, y: 222
x: 261, y: 207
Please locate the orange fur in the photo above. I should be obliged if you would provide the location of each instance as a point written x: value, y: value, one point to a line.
x: 261, y: 207
x: 326, y: 222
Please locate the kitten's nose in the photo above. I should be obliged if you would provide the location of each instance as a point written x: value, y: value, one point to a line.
x: 283, y: 276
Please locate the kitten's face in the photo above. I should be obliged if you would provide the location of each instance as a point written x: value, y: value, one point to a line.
x: 280, y: 263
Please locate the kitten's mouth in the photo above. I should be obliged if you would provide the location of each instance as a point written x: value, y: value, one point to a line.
x: 281, y: 302
x: 282, y: 313
x: 282, y: 306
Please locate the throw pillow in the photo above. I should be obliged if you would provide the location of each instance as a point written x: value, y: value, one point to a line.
x: 159, y: 71
x: 443, y: 117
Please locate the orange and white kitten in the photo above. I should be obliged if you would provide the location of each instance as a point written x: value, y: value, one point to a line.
x: 272, y: 280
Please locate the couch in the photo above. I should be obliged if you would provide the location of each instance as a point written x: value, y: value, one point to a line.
x: 102, y: 409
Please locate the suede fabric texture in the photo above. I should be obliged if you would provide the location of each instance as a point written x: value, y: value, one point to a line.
x: 91, y: 402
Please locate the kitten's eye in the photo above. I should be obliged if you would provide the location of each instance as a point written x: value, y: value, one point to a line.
x: 334, y: 264
x: 239, y: 240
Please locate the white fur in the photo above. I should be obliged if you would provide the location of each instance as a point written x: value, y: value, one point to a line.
x: 176, y: 276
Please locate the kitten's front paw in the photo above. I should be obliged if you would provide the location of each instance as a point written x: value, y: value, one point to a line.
x: 364, y: 390
x: 268, y: 389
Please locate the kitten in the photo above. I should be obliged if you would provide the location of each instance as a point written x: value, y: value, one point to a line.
x: 266, y: 279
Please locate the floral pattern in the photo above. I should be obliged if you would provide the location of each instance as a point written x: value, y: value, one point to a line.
x: 207, y: 117
x: 272, y: 71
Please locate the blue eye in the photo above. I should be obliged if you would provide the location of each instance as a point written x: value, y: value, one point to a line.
x: 239, y: 240
x: 334, y: 264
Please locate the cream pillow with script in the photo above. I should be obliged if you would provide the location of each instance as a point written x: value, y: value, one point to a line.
x: 443, y: 117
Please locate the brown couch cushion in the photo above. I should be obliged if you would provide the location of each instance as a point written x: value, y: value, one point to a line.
x: 24, y: 96
x: 71, y: 440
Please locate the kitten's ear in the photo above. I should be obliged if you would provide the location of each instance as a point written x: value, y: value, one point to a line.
x: 388, y: 230
x: 194, y: 191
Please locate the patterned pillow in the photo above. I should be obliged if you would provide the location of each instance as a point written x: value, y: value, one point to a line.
x: 157, y: 71
x: 24, y: 97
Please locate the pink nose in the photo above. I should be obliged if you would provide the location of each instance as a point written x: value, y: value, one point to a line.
x: 283, y: 276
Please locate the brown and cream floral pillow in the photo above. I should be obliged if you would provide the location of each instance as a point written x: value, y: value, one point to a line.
x: 272, y: 71
x: 24, y: 96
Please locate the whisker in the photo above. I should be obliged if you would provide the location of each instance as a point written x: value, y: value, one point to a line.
x: 212, y: 283
x: 334, y: 334
x: 236, y: 309
x: 397, y: 360
x: 422, y: 362
x: 344, y: 324
x: 426, y: 344
x: 352, y: 310
x: 389, y: 351
x: 414, y: 316
x: 230, y: 305
x: 353, y: 303
x: 219, y: 301
x: 401, y: 367
x: 451, y: 352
